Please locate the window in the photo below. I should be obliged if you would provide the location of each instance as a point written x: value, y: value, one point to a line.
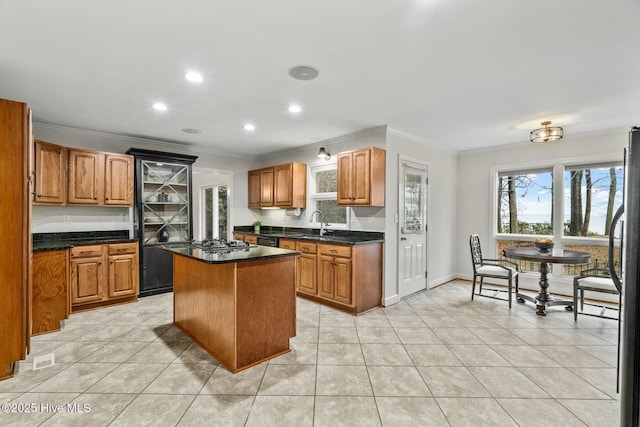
x: 323, y: 196
x: 525, y: 202
x: 577, y: 217
x: 215, y: 212
x: 592, y: 196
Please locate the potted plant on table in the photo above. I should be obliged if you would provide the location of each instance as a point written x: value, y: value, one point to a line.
x: 256, y: 226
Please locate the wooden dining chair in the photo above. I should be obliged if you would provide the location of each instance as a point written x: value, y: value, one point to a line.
x: 491, y: 268
x: 594, y: 280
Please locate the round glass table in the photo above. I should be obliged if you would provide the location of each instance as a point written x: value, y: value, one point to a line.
x: 544, y: 299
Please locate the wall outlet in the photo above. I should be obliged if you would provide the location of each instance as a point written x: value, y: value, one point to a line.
x: 370, y: 219
x: 66, y: 219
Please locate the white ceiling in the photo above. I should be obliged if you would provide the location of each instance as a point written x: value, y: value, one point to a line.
x: 456, y: 74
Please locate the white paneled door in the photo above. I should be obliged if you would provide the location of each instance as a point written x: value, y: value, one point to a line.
x: 412, y: 244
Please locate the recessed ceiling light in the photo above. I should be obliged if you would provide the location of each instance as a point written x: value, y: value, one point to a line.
x: 160, y: 106
x: 249, y: 127
x: 294, y: 108
x: 193, y: 76
x: 191, y: 131
x: 303, y: 72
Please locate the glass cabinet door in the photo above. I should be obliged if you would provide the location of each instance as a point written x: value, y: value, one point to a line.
x: 165, y: 202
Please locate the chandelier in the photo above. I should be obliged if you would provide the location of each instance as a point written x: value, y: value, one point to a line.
x: 546, y: 133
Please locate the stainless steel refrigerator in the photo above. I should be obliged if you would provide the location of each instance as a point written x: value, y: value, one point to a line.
x: 630, y: 280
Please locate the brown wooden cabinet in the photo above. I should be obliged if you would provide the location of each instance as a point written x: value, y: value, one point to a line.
x: 118, y: 179
x: 123, y: 270
x: 102, y: 179
x: 103, y: 274
x: 361, y: 177
x: 281, y: 186
x: 250, y: 238
x: 335, y: 273
x: 88, y: 274
x: 348, y: 277
x: 50, y: 174
x: 306, y: 268
x: 16, y: 166
x: 254, y: 189
x: 266, y: 187
x: 290, y: 185
x: 51, y: 300
x: 86, y: 186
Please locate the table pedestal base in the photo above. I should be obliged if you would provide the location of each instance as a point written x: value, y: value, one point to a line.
x: 544, y: 299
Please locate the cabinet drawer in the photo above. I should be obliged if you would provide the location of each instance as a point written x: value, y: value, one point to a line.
x: 238, y: 236
x: 86, y: 251
x: 335, y: 250
x: 122, y: 248
x: 251, y: 239
x: 287, y: 244
x: 309, y: 248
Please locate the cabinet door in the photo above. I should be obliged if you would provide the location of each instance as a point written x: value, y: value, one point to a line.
x: 254, y: 189
x: 50, y: 295
x: 88, y: 280
x: 283, y: 185
x: 306, y: 274
x: 51, y: 174
x: 345, y: 179
x: 252, y: 239
x: 118, y: 180
x: 343, y: 285
x: 123, y: 275
x: 326, y: 277
x: 361, y: 167
x: 266, y: 187
x: 85, y: 177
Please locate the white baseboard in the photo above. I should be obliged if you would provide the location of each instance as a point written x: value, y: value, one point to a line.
x: 441, y: 281
x: 393, y: 299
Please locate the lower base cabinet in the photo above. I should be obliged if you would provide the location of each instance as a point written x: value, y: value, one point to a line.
x: 51, y: 303
x: 348, y: 277
x: 103, y: 275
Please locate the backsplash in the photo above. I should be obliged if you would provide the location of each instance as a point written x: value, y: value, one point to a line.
x: 53, y: 219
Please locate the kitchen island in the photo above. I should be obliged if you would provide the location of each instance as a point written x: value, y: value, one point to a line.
x: 240, y: 305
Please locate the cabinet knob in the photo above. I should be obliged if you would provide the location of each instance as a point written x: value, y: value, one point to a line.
x: 95, y: 198
x: 106, y: 198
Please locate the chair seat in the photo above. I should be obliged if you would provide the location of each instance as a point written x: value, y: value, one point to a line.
x: 494, y: 270
x: 603, y: 283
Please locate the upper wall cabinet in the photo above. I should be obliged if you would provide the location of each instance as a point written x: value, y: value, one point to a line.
x: 289, y: 185
x: 50, y: 174
x: 281, y: 186
x: 86, y: 185
x: 81, y: 177
x: 361, y: 177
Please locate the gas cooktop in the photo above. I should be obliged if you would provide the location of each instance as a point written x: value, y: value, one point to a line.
x: 220, y: 245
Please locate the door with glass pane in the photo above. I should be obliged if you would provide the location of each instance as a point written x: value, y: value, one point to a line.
x: 412, y: 252
x: 165, y: 202
x: 215, y: 224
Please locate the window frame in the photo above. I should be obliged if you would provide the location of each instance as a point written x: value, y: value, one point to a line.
x: 558, y: 168
x: 313, y: 197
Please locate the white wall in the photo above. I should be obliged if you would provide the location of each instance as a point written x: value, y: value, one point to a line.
x: 441, y: 218
x: 90, y: 218
x: 474, y: 181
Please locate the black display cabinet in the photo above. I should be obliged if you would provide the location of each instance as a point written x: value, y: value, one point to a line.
x: 162, y: 213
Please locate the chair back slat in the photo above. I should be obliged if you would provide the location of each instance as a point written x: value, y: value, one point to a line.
x: 476, y: 251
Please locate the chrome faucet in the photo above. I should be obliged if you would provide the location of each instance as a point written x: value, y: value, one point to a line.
x: 323, y: 221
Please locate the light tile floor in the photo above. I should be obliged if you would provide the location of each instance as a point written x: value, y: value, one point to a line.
x: 435, y: 359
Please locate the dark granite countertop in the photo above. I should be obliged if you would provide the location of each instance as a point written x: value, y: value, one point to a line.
x: 335, y: 236
x: 252, y: 253
x: 67, y: 240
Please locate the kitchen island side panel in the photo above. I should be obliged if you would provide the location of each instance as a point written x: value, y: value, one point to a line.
x: 204, y: 305
x: 266, y: 307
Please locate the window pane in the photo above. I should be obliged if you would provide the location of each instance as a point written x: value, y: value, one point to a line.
x: 222, y: 212
x: 592, y: 196
x: 327, y: 181
x: 333, y: 213
x: 525, y: 203
x: 208, y: 213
